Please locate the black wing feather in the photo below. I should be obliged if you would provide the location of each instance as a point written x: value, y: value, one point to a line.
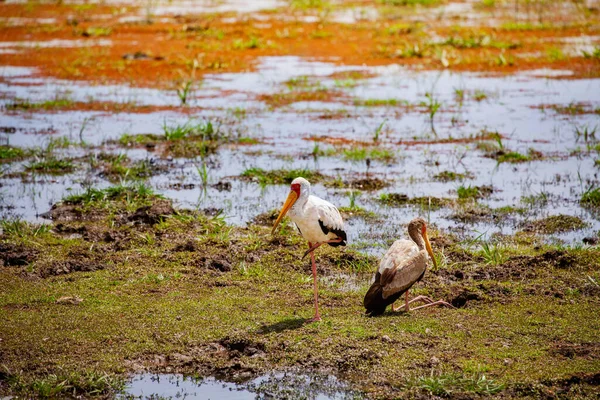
x: 339, y: 233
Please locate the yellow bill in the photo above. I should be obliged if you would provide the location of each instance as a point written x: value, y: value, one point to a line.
x: 429, y: 249
x: 289, y: 202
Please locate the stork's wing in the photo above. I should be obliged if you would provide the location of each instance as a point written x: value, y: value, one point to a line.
x: 330, y: 219
x: 401, y: 267
x: 400, y: 251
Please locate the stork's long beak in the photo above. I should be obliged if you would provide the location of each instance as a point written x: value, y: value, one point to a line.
x: 429, y: 249
x: 289, y: 202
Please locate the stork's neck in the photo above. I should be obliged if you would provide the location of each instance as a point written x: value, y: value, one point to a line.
x: 415, y: 235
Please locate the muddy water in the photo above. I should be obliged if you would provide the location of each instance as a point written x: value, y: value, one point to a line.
x: 280, y: 386
x: 471, y: 104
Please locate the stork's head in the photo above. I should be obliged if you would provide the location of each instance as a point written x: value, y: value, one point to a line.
x: 300, y: 188
x: 417, y: 229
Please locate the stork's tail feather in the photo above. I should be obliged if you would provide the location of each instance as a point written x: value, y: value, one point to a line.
x: 342, y: 243
x: 374, y: 301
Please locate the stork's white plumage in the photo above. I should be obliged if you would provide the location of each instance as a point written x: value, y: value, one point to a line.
x: 402, y: 266
x: 318, y: 221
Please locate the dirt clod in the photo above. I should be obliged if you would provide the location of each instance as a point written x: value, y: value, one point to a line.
x: 217, y: 264
x: 12, y: 255
x: 154, y: 213
x: 464, y: 297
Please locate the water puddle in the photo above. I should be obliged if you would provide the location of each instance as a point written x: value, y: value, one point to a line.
x: 272, y: 386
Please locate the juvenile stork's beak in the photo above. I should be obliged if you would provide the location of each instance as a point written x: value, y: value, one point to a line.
x: 289, y: 202
x: 428, y: 245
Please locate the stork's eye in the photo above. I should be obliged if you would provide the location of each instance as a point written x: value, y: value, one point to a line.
x: 296, y: 187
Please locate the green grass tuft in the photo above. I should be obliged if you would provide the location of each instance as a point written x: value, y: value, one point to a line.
x: 468, y: 192
x: 379, y: 102
x: 512, y: 157
x: 52, y: 166
x: 204, y: 129
x: 447, y: 176
x: 591, y: 198
x: 447, y: 385
x: 362, y: 153
x: 130, y: 193
x: 8, y: 153
x: 280, y: 176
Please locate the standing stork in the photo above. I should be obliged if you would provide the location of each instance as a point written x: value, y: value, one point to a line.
x: 402, y: 266
x: 317, y: 220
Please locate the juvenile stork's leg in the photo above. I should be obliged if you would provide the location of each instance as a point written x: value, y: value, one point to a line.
x: 312, y: 248
x: 406, y: 303
x: 418, y: 298
x: 435, y: 303
x: 421, y: 298
x: 317, y: 316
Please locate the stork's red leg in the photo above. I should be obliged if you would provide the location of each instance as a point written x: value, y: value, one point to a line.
x: 317, y: 316
x: 406, y: 308
x: 317, y: 245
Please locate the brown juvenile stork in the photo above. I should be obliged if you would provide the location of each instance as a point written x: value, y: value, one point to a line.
x: 402, y: 266
x: 318, y: 221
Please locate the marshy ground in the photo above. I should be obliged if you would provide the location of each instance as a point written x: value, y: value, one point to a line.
x: 145, y: 148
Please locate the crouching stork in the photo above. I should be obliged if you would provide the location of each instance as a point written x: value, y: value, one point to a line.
x: 401, y: 267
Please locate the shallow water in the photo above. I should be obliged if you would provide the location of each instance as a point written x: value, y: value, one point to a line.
x: 278, y: 385
x: 509, y: 105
